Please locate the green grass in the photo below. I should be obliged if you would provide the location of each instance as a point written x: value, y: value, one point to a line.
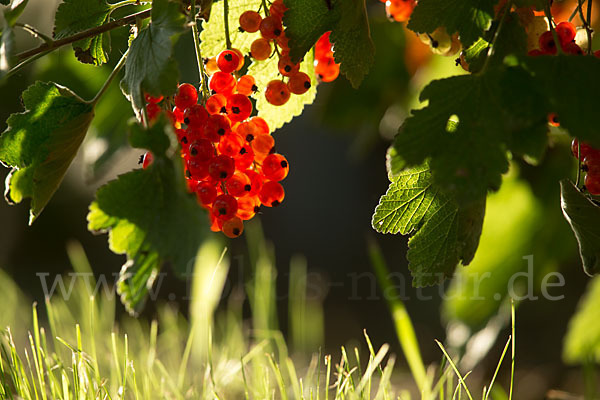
x: 82, y: 351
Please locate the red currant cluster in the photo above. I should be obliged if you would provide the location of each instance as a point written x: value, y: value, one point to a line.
x: 399, y: 10
x: 325, y: 66
x: 277, y: 92
x: 565, y: 31
x: 228, y: 156
x: 590, y: 159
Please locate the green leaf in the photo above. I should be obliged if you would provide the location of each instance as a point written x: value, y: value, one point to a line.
x: 469, y: 18
x: 519, y: 231
x: 577, y: 103
x: 407, y: 201
x: 7, y: 44
x: 150, y: 65
x: 584, y: 217
x: 212, y: 36
x: 74, y: 16
x: 582, y: 341
x: 40, y: 143
x: 498, y: 111
x: 150, y: 217
x: 277, y: 116
x: 213, y: 42
x: 444, y: 234
x: 447, y: 237
x: 347, y: 20
x: 305, y: 22
x: 12, y: 13
x: 7, y: 35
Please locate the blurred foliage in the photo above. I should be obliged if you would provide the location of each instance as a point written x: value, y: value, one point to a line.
x: 582, y: 343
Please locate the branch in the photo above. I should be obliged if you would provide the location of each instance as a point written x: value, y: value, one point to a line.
x: 85, y: 34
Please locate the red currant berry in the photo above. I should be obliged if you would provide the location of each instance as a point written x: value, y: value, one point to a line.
x: 210, y: 65
x: 277, y: 9
x: 592, y: 163
x: 327, y: 69
x: 271, y: 194
x: 195, y: 116
x: 239, y: 107
x: 585, y: 149
x: 256, y: 182
x: 224, y: 207
x: 553, y: 119
x: 283, y: 41
x: 233, y: 227
x: 535, y: 53
x: 152, y: 99
x: 250, y: 21
x: 572, y: 48
x: 270, y: 27
x: 230, y: 145
x: 153, y: 111
x: 222, y: 82
x: 216, y: 104
x: 263, y: 144
x: 400, y: 10
x: 566, y: 32
x: 277, y: 92
x: 246, y: 85
x: 221, y: 167
x: 286, y: 66
x: 240, y: 57
x: 147, y: 159
x: 216, y: 127
x: 238, y: 185
x: 206, y: 193
x: 228, y: 61
x: 323, y: 46
x: 260, y: 49
x: 201, y: 150
x: 547, y: 44
x: 186, y: 96
x: 215, y: 223
x: 299, y: 83
x: 592, y: 184
x: 244, y: 158
x: 196, y: 170
x: 275, y: 167
x: 177, y: 115
x: 248, y: 206
x: 261, y: 125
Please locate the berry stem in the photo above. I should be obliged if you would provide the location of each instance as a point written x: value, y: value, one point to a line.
x: 34, y: 32
x: 226, y: 21
x: 586, y: 22
x: 496, y: 35
x: 264, y: 6
x: 112, y: 75
x: 196, y: 35
x: 126, y: 3
x: 55, y: 44
x: 548, y: 13
x: 578, y: 164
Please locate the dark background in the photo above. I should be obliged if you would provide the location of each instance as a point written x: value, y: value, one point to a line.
x: 337, y: 157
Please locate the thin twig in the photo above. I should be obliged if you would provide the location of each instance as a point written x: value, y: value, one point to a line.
x: 34, y: 32
x: 201, y: 72
x: 496, y: 35
x: 85, y: 34
x: 586, y: 22
x: 226, y: 21
x: 114, y: 73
